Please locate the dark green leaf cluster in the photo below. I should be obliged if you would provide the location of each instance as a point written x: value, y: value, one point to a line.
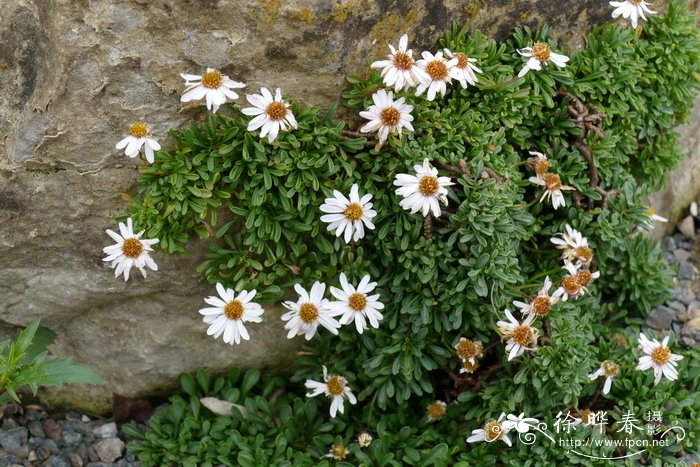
x: 605, y: 123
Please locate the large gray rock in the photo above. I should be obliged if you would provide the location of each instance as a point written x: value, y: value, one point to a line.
x: 74, y: 75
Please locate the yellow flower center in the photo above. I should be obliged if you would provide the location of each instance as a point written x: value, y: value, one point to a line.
x: 336, y: 384
x: 139, y: 130
x: 469, y: 366
x: 132, y: 248
x: 571, y: 285
x: 212, y: 79
x: 276, y: 111
x: 339, y: 451
x: 635, y: 2
x: 353, y: 212
x: 553, y: 181
x: 467, y: 349
x: 403, y: 61
x: 390, y: 116
x: 308, y: 312
x: 436, y: 410
x: 462, y: 59
x: 233, y: 310
x: 541, y: 52
x: 587, y: 417
x: 584, y: 254
x: 610, y: 368
x: 437, y: 70
x: 584, y: 277
x: 522, y: 335
x: 541, y: 166
x: 493, y: 431
x: 428, y: 185
x: 651, y: 212
x: 541, y: 305
x: 357, y: 301
x: 661, y: 355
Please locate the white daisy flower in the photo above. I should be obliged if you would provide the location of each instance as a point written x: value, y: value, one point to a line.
x: 333, y: 386
x: 349, y: 215
x: 364, y: 439
x: 521, y: 423
x: 493, y: 430
x: 465, y: 70
x: 540, y: 54
x: 539, y: 163
x: 521, y: 336
x: 653, y: 217
x: 658, y: 357
x: 553, y: 188
x: 574, y: 284
x: 436, y: 410
x: 308, y: 312
x: 421, y: 192
x: 355, y: 304
x: 439, y: 70
x: 212, y: 85
x: 337, y: 452
x: 139, y: 136
x: 130, y: 250
x: 229, y: 313
x: 468, y: 350
x: 632, y: 9
x: 386, y: 115
x: 575, y: 246
x: 400, y: 70
x: 273, y: 115
x: 609, y: 369
x: 542, y: 304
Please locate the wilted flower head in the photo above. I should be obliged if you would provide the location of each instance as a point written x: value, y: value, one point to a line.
x: 609, y: 369
x: 436, y: 410
x: 493, y: 430
x: 364, y: 439
x: 334, y: 386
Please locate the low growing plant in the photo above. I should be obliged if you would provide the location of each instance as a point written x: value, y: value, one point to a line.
x: 594, y: 136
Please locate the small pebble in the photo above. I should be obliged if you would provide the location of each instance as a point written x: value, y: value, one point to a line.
x: 661, y: 317
x: 75, y: 460
x: 13, y: 439
x: 681, y: 255
x: 108, y: 430
x: 36, y: 429
x: 686, y: 270
x: 694, y: 209
x: 109, y: 449
x: 52, y: 429
x: 687, y: 227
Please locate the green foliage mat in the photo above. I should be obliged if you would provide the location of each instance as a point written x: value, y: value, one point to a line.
x: 448, y: 277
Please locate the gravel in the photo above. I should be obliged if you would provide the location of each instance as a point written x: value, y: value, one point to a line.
x: 30, y: 436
